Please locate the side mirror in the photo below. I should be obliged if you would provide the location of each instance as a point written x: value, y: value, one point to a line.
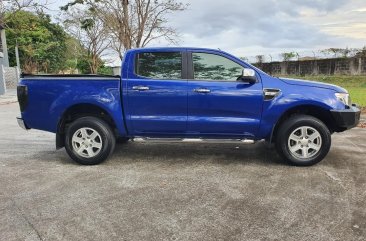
x: 248, y: 75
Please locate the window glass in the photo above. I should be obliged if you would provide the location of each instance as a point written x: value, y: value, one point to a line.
x: 159, y: 65
x: 215, y: 67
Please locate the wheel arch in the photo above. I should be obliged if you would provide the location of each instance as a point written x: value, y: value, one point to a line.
x: 77, y: 111
x: 318, y: 112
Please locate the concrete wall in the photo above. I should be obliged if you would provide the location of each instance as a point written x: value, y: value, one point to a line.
x: 116, y: 70
x: 346, y: 66
x: 9, y: 76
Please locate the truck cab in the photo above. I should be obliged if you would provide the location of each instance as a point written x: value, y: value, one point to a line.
x: 186, y: 94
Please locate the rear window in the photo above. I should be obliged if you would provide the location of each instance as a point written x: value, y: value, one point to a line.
x: 159, y: 65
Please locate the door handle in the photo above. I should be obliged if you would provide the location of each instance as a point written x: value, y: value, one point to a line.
x: 140, y: 88
x: 201, y: 90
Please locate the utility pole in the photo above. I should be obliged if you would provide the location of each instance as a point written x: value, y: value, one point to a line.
x: 2, y: 79
x: 4, y: 45
x: 3, y: 35
x: 17, y: 59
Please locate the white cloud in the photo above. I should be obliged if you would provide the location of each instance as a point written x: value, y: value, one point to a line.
x: 247, y: 27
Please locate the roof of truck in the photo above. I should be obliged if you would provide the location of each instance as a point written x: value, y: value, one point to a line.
x: 174, y: 49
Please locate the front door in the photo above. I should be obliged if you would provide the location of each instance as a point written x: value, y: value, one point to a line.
x: 157, y: 95
x: 219, y: 105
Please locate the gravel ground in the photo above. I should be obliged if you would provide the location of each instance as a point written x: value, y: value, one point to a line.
x: 178, y: 191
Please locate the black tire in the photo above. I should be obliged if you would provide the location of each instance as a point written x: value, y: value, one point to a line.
x: 105, y: 140
x: 122, y: 140
x: 311, y: 125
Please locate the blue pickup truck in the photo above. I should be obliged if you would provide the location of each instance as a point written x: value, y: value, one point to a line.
x: 185, y: 94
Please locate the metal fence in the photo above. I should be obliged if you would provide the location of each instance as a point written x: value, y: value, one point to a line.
x: 11, y: 76
x: 335, y: 66
x: 300, y: 56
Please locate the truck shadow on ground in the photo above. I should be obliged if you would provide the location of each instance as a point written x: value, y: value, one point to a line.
x: 181, y: 153
x: 177, y: 153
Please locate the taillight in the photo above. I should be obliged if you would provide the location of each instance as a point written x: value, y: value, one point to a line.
x: 22, y: 92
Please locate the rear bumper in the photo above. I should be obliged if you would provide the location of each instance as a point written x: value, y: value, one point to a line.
x: 22, y: 124
x: 348, y: 118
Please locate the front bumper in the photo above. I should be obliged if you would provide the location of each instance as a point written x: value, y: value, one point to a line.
x: 348, y: 118
x: 22, y: 124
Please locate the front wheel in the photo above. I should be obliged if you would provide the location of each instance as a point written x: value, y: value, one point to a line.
x: 89, y: 140
x: 303, y: 140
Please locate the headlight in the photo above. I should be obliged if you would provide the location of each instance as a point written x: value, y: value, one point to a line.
x: 344, y: 98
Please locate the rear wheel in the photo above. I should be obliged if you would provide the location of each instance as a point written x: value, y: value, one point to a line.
x: 89, y: 140
x: 303, y: 140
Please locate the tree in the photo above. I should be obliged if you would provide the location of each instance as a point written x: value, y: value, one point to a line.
x: 92, y: 34
x: 334, y: 51
x: 260, y: 59
x: 14, y: 6
x: 17, y: 5
x: 361, y: 53
x: 244, y: 59
x: 288, y: 56
x: 134, y: 23
x: 41, y: 43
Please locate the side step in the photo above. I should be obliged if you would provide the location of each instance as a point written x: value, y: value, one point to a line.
x: 192, y: 140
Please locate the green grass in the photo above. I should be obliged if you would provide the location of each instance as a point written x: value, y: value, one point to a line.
x: 358, y: 95
x: 356, y: 85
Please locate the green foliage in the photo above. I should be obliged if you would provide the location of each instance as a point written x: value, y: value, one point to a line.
x: 260, y: 59
x: 42, y: 44
x: 361, y: 52
x: 72, y: 3
x: 105, y: 70
x: 87, y: 23
x: 84, y: 64
x: 44, y: 47
x: 76, y: 57
x: 288, y: 56
x: 337, y: 52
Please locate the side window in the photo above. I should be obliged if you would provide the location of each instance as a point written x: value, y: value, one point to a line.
x: 215, y: 67
x: 159, y: 65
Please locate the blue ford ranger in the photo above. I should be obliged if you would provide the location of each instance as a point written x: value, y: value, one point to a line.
x: 185, y: 94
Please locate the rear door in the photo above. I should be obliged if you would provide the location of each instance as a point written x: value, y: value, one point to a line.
x: 157, y: 94
x: 218, y: 104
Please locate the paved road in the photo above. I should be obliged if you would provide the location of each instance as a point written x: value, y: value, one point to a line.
x: 178, y: 191
x: 10, y: 96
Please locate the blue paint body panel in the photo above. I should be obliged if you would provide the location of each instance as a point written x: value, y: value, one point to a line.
x: 170, y: 108
x: 48, y: 99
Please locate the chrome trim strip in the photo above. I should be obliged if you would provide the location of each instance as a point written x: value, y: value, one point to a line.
x: 270, y: 94
x: 193, y: 140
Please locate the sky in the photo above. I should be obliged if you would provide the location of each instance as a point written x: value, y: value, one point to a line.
x: 249, y: 28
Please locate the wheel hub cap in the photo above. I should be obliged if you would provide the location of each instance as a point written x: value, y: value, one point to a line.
x: 87, y: 142
x: 304, y: 142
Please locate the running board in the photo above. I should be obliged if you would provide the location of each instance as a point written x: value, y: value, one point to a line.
x: 192, y: 140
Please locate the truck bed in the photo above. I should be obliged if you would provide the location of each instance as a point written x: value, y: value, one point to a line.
x: 48, y: 97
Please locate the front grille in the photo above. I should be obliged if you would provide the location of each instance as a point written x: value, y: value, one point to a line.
x: 22, y: 92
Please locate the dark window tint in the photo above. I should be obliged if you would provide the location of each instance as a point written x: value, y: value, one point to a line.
x: 163, y: 65
x: 215, y: 67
